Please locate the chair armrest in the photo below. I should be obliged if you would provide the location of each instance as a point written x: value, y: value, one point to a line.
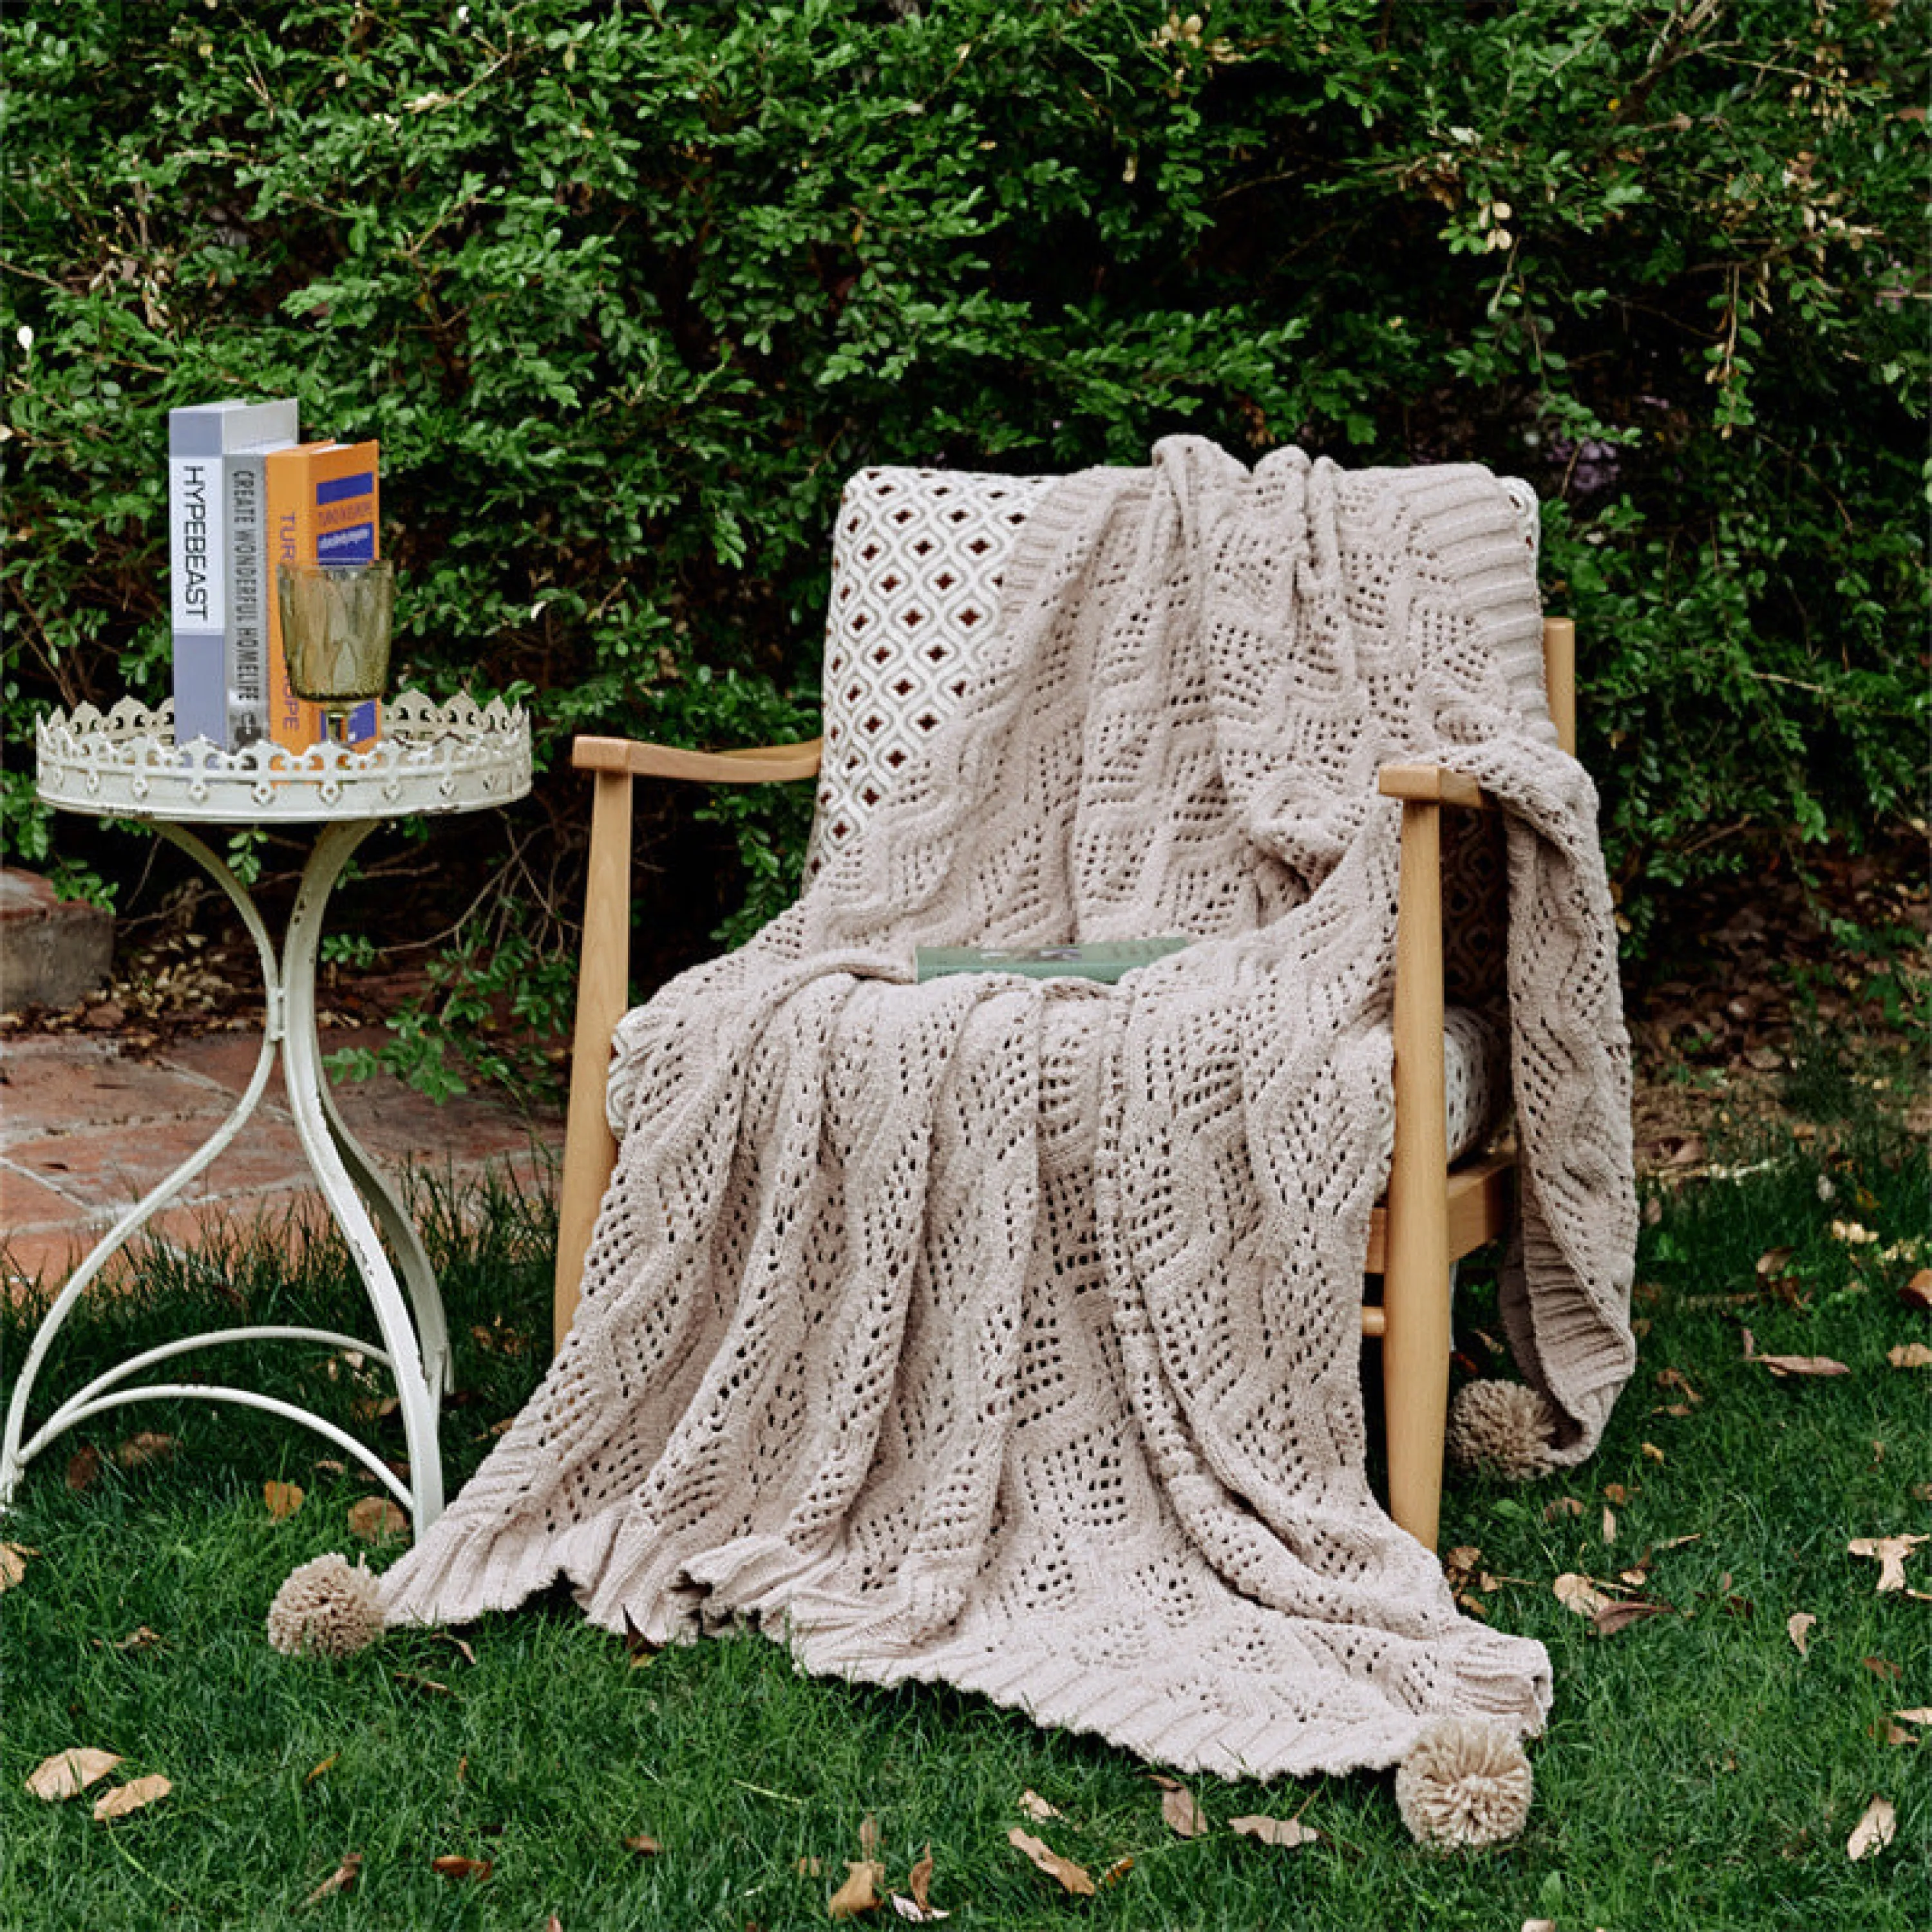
x: 758, y: 764
x: 1431, y: 784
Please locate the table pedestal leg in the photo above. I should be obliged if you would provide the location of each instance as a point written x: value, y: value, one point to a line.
x: 419, y: 1353
x: 416, y: 1353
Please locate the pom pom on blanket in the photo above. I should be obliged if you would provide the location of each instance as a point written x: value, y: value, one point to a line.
x: 326, y: 1608
x: 1465, y: 1784
x: 1502, y: 1428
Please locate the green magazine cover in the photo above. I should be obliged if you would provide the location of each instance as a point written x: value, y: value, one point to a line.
x: 1095, y: 959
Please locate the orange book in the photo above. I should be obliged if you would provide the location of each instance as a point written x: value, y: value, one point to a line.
x: 322, y: 502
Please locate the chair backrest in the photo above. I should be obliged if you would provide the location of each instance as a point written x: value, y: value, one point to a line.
x: 918, y: 558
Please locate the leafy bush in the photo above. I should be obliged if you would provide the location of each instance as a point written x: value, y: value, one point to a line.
x: 627, y: 291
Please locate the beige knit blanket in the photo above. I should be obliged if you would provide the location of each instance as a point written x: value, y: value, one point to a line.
x: 1006, y: 1332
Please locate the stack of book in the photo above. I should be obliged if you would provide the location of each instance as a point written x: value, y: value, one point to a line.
x: 245, y: 494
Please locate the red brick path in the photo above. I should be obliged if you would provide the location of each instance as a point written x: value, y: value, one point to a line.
x: 85, y: 1131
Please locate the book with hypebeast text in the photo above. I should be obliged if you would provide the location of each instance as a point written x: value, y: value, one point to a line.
x: 217, y: 584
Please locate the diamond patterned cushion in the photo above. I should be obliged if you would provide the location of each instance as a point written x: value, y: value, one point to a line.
x: 917, y: 561
x: 916, y: 564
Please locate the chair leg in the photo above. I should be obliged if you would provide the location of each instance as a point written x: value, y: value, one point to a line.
x: 590, y: 1151
x: 1415, y: 1301
x: 1415, y: 1396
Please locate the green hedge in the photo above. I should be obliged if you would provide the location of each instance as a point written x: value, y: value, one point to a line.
x: 627, y: 290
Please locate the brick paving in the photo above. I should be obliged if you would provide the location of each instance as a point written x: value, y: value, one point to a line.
x: 86, y: 1129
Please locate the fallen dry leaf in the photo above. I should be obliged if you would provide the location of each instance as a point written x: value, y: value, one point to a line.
x: 410, y: 1681
x: 869, y: 1838
x: 860, y: 1892
x: 69, y: 1772
x: 13, y: 1563
x: 1560, y: 1507
x: 1037, y: 1808
x: 1072, y: 1878
x: 1793, y: 1365
x: 1579, y: 1594
x: 83, y: 1469
x: 321, y: 1770
x: 143, y: 1447
x: 1917, y: 1293
x: 1614, y: 1617
x: 1873, y: 1831
x: 1910, y: 1355
x: 1882, y: 1666
x: 1539, y: 1925
x: 283, y: 1499
x: 1921, y: 1713
x: 1652, y: 1453
x: 375, y: 1520
x: 919, y: 1908
x: 1675, y: 1378
x: 911, y: 1909
x: 1288, y: 1831
x: 1891, y: 1552
x: 341, y: 1879
x: 1609, y: 1524
x: 1798, y: 1626
x: 644, y: 1845
x: 1117, y: 1871
x: 1183, y: 1817
x: 135, y: 1795
x: 451, y: 1867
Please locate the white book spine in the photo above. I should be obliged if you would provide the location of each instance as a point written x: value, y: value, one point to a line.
x: 198, y: 598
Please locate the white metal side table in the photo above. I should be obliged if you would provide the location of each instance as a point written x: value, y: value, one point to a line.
x: 433, y: 758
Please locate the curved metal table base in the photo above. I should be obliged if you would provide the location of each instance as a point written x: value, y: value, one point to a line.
x: 415, y: 1344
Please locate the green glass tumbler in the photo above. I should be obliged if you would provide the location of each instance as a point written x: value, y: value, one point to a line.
x: 336, y: 619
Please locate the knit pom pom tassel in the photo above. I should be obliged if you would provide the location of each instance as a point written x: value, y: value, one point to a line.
x: 326, y: 1608
x: 1501, y: 1428
x: 1464, y: 1784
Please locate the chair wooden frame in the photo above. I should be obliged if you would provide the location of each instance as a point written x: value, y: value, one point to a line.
x: 1432, y: 1214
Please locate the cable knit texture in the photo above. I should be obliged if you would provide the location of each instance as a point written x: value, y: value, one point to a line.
x: 1006, y: 1332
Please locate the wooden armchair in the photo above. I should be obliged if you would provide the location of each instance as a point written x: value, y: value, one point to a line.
x: 1435, y: 1210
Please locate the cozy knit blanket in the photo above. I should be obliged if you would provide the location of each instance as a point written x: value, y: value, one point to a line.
x: 1006, y: 1332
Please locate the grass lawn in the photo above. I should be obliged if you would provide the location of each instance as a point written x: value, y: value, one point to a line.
x: 1701, y: 1771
